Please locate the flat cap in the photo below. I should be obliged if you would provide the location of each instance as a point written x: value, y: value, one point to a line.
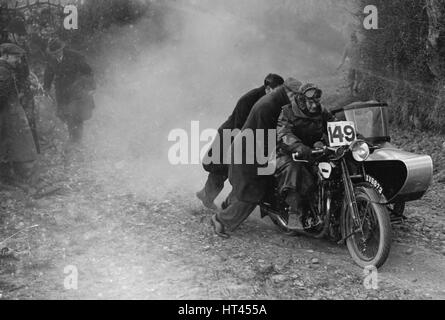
x: 293, y: 85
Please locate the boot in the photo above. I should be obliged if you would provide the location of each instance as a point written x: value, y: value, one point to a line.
x: 229, y: 200
x: 296, y: 211
x: 218, y: 227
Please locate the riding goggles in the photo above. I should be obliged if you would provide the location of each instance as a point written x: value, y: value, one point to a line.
x: 313, y: 94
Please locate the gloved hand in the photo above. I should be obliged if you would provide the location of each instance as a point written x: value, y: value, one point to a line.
x: 319, y: 145
x: 303, y: 152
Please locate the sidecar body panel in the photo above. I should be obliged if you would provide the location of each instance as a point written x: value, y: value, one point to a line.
x: 403, y: 176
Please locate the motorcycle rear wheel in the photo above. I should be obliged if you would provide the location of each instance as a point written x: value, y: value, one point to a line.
x: 376, y: 229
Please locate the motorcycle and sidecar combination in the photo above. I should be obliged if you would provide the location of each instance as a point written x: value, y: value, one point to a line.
x: 362, y: 185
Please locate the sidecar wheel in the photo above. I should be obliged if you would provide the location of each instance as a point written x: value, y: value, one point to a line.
x: 372, y: 246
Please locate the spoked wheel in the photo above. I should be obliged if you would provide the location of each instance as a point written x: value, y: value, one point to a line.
x: 370, y: 243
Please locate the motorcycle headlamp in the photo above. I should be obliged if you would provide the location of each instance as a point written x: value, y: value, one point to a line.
x: 360, y: 151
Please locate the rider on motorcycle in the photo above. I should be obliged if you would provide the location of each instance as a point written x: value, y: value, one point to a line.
x: 302, y: 127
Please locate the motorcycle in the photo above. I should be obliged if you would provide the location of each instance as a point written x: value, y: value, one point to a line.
x: 359, y: 183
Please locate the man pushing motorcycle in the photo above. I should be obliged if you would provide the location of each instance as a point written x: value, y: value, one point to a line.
x: 219, y: 172
x: 249, y: 187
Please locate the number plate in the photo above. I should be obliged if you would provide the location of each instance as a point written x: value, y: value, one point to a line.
x: 341, y: 133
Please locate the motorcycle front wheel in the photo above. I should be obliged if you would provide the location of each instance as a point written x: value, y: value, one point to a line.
x: 370, y: 243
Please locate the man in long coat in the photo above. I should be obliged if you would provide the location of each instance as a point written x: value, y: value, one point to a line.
x: 19, y: 36
x: 74, y: 83
x: 218, y: 172
x: 17, y: 147
x: 249, y: 187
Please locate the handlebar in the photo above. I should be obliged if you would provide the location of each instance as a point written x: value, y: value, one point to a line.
x: 325, y: 150
x: 319, y: 151
x: 297, y: 157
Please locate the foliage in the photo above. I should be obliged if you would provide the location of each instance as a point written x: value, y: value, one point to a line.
x: 397, y: 64
x: 100, y: 14
x: 45, y: 18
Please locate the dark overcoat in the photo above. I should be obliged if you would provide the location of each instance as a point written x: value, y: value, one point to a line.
x: 296, y: 130
x: 248, y: 185
x: 16, y: 140
x: 236, y: 121
x: 73, y: 79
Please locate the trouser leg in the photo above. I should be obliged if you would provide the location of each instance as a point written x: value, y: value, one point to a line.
x: 297, y: 207
x: 214, y: 186
x: 293, y: 199
x: 294, y: 177
x: 229, y: 200
x: 235, y: 214
x: 5, y: 171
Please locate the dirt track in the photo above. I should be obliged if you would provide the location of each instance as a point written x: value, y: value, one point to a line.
x: 133, y: 237
x: 127, y: 245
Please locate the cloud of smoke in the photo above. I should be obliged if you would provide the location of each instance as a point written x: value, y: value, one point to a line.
x: 211, y: 53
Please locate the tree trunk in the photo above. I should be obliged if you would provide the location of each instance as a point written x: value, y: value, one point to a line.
x: 436, y: 52
x: 436, y: 37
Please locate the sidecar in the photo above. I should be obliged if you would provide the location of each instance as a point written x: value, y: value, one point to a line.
x: 401, y: 176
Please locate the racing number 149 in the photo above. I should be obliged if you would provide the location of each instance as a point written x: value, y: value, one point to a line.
x: 341, y: 133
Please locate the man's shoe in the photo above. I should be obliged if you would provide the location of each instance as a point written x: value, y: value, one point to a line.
x: 206, y: 202
x: 218, y: 227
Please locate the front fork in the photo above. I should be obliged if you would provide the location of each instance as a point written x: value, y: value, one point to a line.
x: 350, y: 200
